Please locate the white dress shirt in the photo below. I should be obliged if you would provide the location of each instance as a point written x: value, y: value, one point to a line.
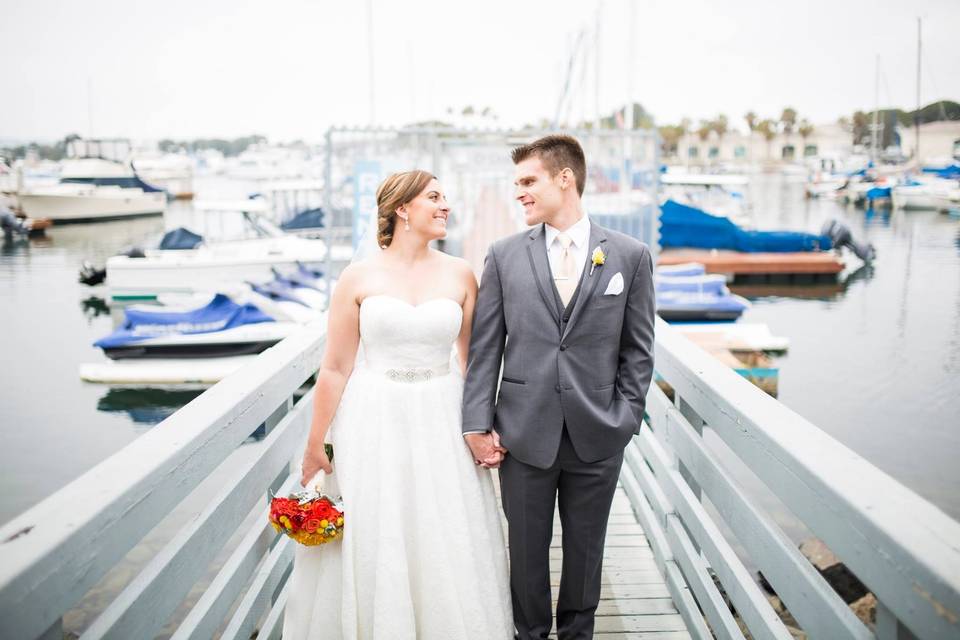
x: 579, y: 236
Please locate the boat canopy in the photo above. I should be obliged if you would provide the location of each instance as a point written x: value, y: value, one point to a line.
x: 685, y: 226
x: 219, y: 314
x: 180, y: 238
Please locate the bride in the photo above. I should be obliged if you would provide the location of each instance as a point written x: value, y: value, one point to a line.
x: 422, y: 555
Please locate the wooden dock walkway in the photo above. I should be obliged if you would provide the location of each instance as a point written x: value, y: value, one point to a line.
x: 634, y: 600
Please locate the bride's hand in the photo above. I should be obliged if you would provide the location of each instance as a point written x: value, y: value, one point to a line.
x: 314, y: 461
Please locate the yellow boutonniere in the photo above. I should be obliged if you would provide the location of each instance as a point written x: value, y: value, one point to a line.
x: 597, y: 259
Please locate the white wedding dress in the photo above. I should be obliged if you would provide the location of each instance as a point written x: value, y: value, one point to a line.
x: 423, y: 554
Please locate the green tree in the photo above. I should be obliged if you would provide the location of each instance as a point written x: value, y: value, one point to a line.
x: 768, y: 129
x: 788, y: 119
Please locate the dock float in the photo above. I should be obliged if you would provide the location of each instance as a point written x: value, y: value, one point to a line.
x: 737, y: 263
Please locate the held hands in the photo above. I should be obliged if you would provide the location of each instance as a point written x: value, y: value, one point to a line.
x: 313, y: 461
x: 486, y: 449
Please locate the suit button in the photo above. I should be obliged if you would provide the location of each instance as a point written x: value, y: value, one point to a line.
x: 563, y: 347
x: 557, y: 388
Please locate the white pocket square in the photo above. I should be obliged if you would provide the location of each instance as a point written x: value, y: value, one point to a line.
x: 615, y: 286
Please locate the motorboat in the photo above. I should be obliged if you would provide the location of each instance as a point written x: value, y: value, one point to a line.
x: 684, y: 226
x: 187, y: 262
x: 93, y: 185
x: 688, y: 294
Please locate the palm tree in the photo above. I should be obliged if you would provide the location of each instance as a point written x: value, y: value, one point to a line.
x: 703, y: 131
x: 751, y: 119
x: 670, y: 135
x: 805, y: 130
x: 789, y: 119
x: 768, y: 129
x: 720, y: 126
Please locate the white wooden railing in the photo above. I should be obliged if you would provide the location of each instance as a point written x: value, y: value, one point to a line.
x: 904, y: 549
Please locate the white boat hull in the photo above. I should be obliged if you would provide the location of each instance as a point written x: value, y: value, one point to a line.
x: 211, y: 268
x: 85, y: 203
x: 173, y: 371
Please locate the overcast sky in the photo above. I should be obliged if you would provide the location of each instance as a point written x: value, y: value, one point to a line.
x: 291, y: 68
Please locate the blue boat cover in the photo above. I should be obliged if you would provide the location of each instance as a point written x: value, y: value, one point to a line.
x: 307, y: 219
x: 713, y: 285
x: 877, y: 193
x: 221, y: 313
x: 685, y: 226
x: 676, y: 300
x: 951, y: 172
x: 180, y: 238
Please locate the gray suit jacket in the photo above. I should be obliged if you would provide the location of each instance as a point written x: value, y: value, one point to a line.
x: 593, y: 374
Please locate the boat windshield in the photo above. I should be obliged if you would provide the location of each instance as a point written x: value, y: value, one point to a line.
x: 261, y: 226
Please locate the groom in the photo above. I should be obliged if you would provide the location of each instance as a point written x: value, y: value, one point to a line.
x: 568, y: 307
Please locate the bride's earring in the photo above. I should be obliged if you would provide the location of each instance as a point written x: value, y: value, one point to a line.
x: 406, y: 224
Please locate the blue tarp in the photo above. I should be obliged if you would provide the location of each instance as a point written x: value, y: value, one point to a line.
x: 877, y: 193
x: 950, y: 172
x: 180, y: 238
x: 307, y: 219
x: 685, y: 226
x: 221, y: 313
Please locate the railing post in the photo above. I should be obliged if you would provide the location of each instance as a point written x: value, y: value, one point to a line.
x: 274, y: 418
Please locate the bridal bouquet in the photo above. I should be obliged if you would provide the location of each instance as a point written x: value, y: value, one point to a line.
x: 308, y: 516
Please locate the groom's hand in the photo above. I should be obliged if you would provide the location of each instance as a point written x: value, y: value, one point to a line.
x: 486, y: 449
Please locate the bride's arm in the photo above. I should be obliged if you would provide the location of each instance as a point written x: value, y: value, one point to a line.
x: 340, y: 352
x: 463, y: 340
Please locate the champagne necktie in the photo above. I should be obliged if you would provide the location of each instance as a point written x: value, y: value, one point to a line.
x: 565, y: 278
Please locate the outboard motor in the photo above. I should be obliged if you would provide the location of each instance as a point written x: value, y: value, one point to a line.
x: 92, y: 275
x: 840, y: 235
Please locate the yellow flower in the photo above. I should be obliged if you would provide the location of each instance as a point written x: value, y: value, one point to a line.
x: 597, y: 259
x: 340, y: 522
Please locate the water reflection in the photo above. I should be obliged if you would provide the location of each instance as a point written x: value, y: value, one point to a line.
x: 802, y: 287
x: 94, y: 306
x: 879, y: 216
x: 146, y: 406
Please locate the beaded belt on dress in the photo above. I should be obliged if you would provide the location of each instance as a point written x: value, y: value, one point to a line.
x: 414, y: 374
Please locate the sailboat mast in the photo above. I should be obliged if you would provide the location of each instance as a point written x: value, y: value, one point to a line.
x: 875, y: 129
x: 916, y: 115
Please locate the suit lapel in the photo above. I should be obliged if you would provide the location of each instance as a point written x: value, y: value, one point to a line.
x: 537, y: 253
x: 588, y: 281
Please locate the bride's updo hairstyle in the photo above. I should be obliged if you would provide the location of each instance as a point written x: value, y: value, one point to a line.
x: 393, y: 193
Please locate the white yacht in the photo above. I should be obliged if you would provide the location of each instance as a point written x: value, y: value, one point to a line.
x: 94, y: 185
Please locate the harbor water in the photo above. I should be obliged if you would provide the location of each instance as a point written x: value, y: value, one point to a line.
x: 874, y: 358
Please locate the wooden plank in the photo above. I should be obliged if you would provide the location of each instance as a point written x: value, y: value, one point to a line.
x: 646, y: 635
x: 686, y: 604
x: 610, y: 591
x: 901, y: 546
x: 810, y: 599
x: 698, y: 578
x: 746, y: 596
x: 256, y: 600
x: 665, y: 622
x: 47, y: 562
x: 208, y: 613
x: 144, y: 606
x: 272, y: 627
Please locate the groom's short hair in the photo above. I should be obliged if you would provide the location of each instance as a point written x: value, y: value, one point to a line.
x: 556, y: 153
